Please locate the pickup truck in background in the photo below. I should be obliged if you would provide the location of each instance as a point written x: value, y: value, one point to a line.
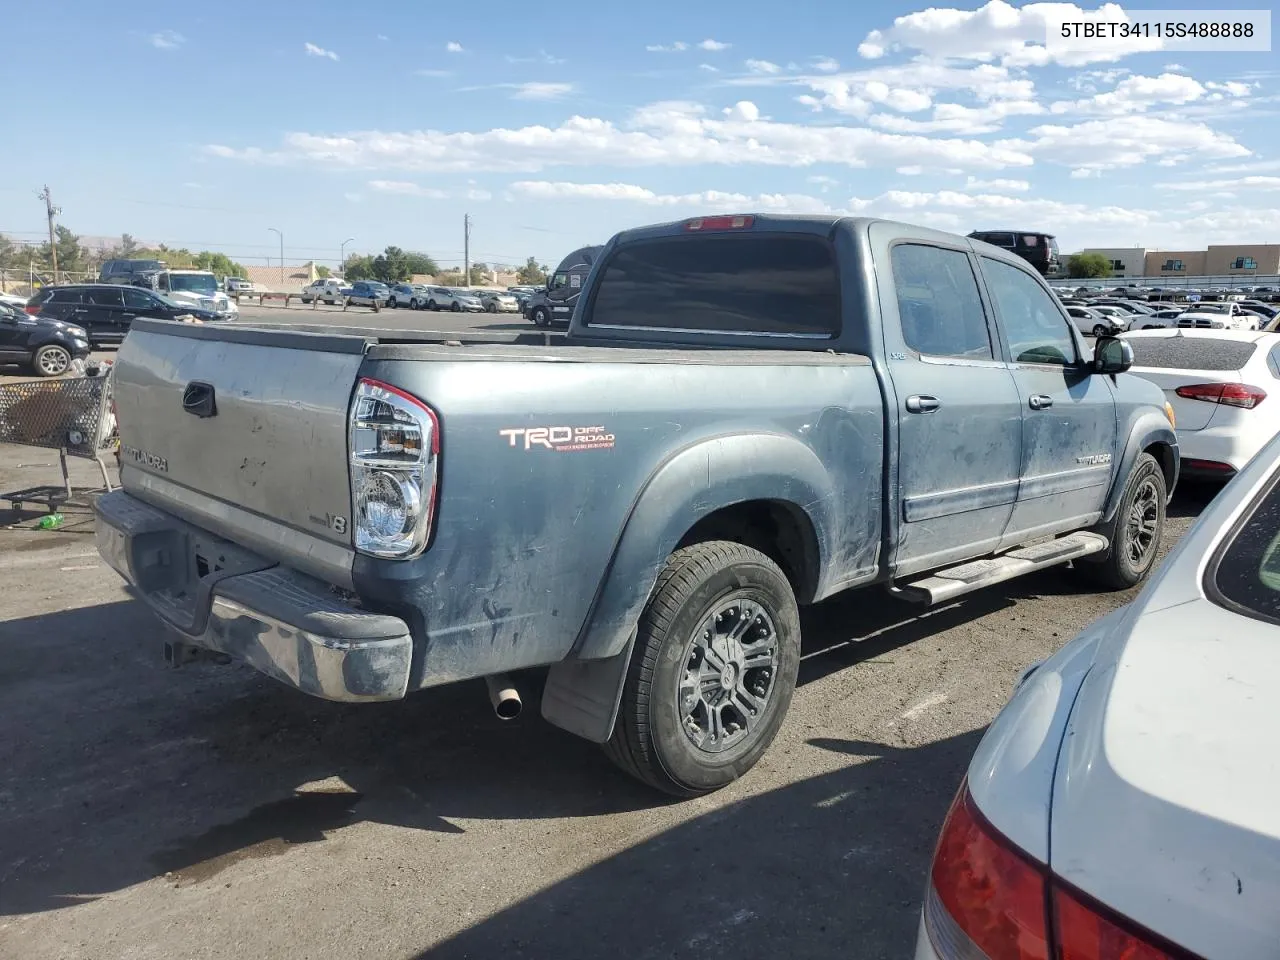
x: 748, y: 414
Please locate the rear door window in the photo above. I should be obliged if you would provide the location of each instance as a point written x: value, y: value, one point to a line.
x: 105, y: 298
x: 763, y: 284
x: 939, y: 306
x: 64, y: 296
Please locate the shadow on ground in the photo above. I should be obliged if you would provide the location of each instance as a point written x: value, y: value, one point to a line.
x: 114, y: 770
x: 830, y: 866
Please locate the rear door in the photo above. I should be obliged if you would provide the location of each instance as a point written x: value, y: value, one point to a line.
x: 959, y: 422
x: 1069, y: 429
x: 104, y: 314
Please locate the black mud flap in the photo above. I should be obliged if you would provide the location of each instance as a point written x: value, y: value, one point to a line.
x: 582, y: 696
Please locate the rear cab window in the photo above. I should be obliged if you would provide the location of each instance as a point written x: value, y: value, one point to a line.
x: 765, y: 284
x: 1244, y: 575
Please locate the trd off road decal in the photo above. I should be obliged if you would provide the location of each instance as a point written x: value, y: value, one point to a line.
x: 563, y: 439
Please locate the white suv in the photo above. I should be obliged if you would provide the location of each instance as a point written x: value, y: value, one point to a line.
x: 448, y: 298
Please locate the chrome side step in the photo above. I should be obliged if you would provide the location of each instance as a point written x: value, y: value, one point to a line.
x: 942, y: 585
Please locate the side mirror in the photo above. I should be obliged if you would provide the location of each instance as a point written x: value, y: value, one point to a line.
x: 1112, y: 355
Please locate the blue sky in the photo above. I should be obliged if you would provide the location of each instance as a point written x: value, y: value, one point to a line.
x: 557, y: 127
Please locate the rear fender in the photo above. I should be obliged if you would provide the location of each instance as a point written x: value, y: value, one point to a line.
x: 582, y: 693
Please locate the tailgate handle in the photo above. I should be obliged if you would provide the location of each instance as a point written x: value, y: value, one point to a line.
x: 198, y: 399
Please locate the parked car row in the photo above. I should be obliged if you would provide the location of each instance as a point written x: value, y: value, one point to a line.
x: 1103, y: 315
x: 1155, y: 294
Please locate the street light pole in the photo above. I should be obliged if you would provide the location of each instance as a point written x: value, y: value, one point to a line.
x: 342, y: 257
x: 281, y: 236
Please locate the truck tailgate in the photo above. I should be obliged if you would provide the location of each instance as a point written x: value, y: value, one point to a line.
x: 265, y: 462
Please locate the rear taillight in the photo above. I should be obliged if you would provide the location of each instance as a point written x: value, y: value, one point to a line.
x: 987, y: 898
x: 702, y: 224
x: 1232, y: 394
x: 1086, y: 933
x: 394, y: 439
x: 31, y: 309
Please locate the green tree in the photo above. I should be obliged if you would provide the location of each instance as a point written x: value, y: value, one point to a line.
x: 219, y: 264
x: 420, y: 264
x: 531, y: 273
x: 9, y: 257
x: 323, y: 272
x: 72, y: 258
x: 359, y: 266
x: 127, y: 245
x: 391, y: 266
x: 479, y: 275
x: 1084, y: 266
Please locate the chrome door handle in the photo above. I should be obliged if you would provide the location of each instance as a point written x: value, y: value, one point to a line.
x: 922, y: 404
x: 1040, y: 401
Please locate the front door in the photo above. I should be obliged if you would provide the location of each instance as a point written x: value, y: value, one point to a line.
x: 14, y: 327
x: 1069, y: 430
x: 959, y: 422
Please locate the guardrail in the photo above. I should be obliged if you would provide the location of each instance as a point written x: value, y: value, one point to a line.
x: 1233, y: 281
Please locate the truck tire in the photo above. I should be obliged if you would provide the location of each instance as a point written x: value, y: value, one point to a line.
x: 540, y: 317
x: 699, y: 706
x: 1135, y: 531
x: 431, y: 305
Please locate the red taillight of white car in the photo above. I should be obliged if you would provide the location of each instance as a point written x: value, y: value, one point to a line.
x: 988, y: 900
x: 394, y: 439
x: 1240, y: 395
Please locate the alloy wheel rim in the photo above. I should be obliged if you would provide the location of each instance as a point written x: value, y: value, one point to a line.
x: 54, y: 362
x: 1143, y: 521
x: 729, y: 674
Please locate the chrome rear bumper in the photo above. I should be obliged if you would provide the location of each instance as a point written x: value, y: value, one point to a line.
x: 218, y: 596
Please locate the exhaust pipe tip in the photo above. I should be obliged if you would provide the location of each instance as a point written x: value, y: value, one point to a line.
x: 504, y: 696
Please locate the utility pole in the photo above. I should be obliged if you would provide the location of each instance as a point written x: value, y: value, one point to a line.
x: 466, y: 249
x: 342, y: 257
x: 51, y: 211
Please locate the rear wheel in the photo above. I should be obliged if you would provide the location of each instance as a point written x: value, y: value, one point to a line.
x: 712, y: 671
x: 1100, y: 330
x: 1135, y: 531
x: 431, y: 305
x: 492, y: 307
x: 51, y: 360
x: 455, y: 307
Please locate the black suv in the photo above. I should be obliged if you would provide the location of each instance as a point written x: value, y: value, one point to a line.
x: 138, y: 272
x: 108, y: 310
x: 48, y: 346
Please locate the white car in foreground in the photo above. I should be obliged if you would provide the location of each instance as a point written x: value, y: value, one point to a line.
x: 1217, y: 382
x: 1123, y: 804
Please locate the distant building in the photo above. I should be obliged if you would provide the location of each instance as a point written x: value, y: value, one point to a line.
x: 1176, y: 263
x: 290, y: 280
x: 1125, y: 261
x: 1262, y: 259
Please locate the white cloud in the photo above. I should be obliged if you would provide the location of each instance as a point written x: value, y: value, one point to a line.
x: 910, y: 171
x: 1232, y: 88
x: 383, y: 37
x: 1242, y: 183
x: 1015, y: 186
x: 432, y: 73
x: 453, y: 46
x: 743, y: 110
x: 540, y: 57
x: 1088, y: 81
x: 1084, y: 173
x: 998, y: 31
x: 708, y: 67
x: 713, y: 45
x: 664, y: 134
x: 405, y: 189
x: 1137, y: 93
x: 960, y: 120
x: 314, y: 51
x: 474, y: 194
x: 1126, y: 142
x: 668, y: 48
x: 1173, y: 68
x: 762, y: 66
x: 539, y: 90
x: 706, y: 199
x: 822, y: 180
x: 826, y: 65
x: 166, y: 40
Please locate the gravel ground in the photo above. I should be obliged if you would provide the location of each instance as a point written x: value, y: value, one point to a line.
x: 212, y: 813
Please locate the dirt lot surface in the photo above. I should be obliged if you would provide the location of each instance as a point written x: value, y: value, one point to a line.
x: 209, y: 812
